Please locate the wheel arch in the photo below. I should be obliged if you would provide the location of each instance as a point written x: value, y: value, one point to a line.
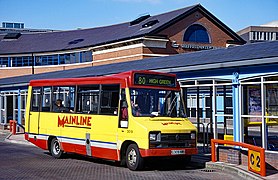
x: 49, y: 141
x: 124, y: 148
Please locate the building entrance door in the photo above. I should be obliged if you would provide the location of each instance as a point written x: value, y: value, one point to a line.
x: 3, y: 117
x: 7, y: 106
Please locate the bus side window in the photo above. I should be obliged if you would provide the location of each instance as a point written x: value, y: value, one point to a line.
x: 66, y: 95
x: 46, y: 99
x: 88, y: 99
x: 36, y: 99
x: 109, y: 99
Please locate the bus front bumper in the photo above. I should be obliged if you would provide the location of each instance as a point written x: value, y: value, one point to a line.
x: 168, y: 152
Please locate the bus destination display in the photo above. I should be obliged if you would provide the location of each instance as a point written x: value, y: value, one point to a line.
x: 154, y: 80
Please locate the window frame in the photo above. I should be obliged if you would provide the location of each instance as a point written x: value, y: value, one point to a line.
x: 192, y: 30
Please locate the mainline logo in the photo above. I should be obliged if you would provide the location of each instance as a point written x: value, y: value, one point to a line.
x: 77, y: 121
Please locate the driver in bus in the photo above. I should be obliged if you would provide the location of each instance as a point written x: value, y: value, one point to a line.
x: 136, y: 111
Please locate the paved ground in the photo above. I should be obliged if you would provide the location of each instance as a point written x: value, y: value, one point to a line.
x: 3, y: 135
x: 29, y: 162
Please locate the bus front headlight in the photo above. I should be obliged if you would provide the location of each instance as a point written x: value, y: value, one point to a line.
x: 154, y: 136
x: 193, y: 135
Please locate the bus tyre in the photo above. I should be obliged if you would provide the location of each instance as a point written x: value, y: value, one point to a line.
x: 134, y: 161
x: 55, y: 150
x: 187, y: 159
x: 182, y: 161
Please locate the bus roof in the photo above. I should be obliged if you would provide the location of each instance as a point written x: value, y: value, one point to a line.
x: 125, y: 79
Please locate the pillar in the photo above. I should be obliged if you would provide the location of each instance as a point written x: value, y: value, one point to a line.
x: 19, y: 107
x: 263, y: 127
x: 236, y: 107
x: 214, y: 118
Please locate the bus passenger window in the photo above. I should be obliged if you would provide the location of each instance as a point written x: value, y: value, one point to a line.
x: 46, y: 99
x: 66, y: 96
x: 88, y: 99
x: 36, y: 98
x: 109, y: 99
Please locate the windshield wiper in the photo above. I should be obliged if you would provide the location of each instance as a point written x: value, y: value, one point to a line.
x: 171, y: 107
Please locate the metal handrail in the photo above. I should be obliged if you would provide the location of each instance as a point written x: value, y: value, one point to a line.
x: 249, y: 146
x: 20, y: 125
x: 203, y: 134
x: 207, y: 136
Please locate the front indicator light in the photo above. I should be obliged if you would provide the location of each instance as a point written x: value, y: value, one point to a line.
x: 193, y: 135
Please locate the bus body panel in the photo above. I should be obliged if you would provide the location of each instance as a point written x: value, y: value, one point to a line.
x: 71, y: 130
x: 34, y: 122
x: 28, y: 106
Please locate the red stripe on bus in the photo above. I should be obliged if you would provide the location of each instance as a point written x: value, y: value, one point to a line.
x: 39, y: 142
x: 104, y: 153
x: 166, y: 152
x: 68, y: 147
x: 26, y: 136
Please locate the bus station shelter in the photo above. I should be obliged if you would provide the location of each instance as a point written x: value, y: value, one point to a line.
x: 234, y: 90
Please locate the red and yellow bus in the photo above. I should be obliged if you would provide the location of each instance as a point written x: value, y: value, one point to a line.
x: 125, y: 117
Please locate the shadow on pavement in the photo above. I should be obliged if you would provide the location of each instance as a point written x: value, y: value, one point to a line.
x: 151, y: 164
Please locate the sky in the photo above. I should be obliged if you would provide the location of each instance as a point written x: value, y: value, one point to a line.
x: 73, y: 14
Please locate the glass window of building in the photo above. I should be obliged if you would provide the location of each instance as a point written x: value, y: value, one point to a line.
x: 16, y: 61
x: 16, y: 25
x: 73, y: 58
x: 86, y: 56
x: 196, y: 33
x: 46, y: 60
x: 4, y: 62
x: 9, y: 25
x: 69, y: 58
x: 38, y: 60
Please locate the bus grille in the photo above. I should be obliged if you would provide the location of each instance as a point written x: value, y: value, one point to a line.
x: 177, y: 140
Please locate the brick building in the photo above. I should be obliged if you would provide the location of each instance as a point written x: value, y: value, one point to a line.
x: 184, y: 30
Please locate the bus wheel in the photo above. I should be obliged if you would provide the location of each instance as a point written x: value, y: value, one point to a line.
x: 187, y: 159
x: 182, y: 161
x: 134, y: 161
x: 56, y: 148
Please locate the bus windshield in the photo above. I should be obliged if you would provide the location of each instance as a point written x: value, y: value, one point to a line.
x: 156, y: 102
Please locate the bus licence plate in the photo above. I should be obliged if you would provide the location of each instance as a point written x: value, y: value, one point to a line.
x: 176, y: 152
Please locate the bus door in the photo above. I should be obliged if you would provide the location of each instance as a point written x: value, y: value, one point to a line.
x: 34, y: 113
x: 105, y: 126
x: 100, y: 101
